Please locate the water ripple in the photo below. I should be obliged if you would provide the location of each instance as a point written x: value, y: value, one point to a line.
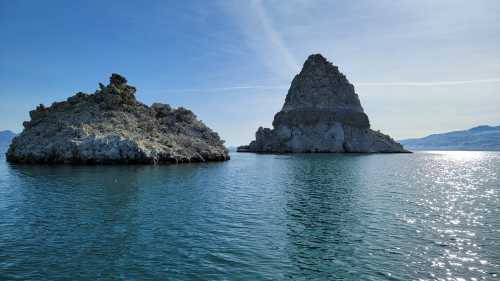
x: 424, y: 216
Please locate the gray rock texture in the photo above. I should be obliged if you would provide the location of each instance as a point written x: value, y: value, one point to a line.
x: 112, y: 127
x: 322, y: 113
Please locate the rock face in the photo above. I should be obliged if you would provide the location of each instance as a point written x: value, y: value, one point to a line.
x: 322, y: 113
x: 112, y: 127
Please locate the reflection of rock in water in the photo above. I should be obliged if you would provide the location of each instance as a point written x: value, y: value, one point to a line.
x: 104, y: 215
x: 322, y: 113
x: 323, y: 210
x: 95, y: 207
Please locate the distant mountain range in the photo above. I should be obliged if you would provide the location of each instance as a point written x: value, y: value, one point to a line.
x: 5, y: 139
x: 477, y: 138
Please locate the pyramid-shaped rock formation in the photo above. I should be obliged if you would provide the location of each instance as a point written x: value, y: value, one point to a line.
x: 112, y: 127
x: 322, y: 113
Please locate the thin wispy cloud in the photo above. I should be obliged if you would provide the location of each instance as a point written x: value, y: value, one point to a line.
x: 273, y: 35
x: 257, y: 24
x: 430, y: 83
x: 225, y: 89
x: 376, y: 84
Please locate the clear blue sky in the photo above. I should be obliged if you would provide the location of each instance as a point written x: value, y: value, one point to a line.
x: 419, y: 66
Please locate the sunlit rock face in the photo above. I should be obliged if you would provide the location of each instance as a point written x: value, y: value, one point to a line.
x: 322, y: 113
x: 112, y: 127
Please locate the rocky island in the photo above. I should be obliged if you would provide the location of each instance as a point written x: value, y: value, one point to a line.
x: 322, y: 113
x: 112, y: 127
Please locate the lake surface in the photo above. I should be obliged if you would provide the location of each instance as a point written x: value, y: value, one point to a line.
x: 422, y: 216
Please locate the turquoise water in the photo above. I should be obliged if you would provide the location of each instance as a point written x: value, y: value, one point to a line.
x: 422, y: 216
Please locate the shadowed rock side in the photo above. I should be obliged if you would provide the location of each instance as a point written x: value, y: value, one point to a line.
x: 322, y: 113
x: 112, y: 127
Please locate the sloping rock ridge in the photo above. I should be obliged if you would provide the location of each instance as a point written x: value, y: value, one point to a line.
x: 322, y: 113
x: 112, y: 127
x: 478, y: 138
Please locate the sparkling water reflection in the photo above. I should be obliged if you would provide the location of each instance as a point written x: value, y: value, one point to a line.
x: 424, y: 216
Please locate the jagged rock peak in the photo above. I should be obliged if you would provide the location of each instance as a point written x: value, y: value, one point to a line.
x: 317, y: 60
x: 318, y: 64
x: 321, y: 86
x: 117, y: 80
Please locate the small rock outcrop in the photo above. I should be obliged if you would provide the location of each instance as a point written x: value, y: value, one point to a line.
x: 112, y: 127
x: 322, y: 113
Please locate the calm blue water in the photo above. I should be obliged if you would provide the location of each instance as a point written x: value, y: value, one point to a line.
x: 422, y: 216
